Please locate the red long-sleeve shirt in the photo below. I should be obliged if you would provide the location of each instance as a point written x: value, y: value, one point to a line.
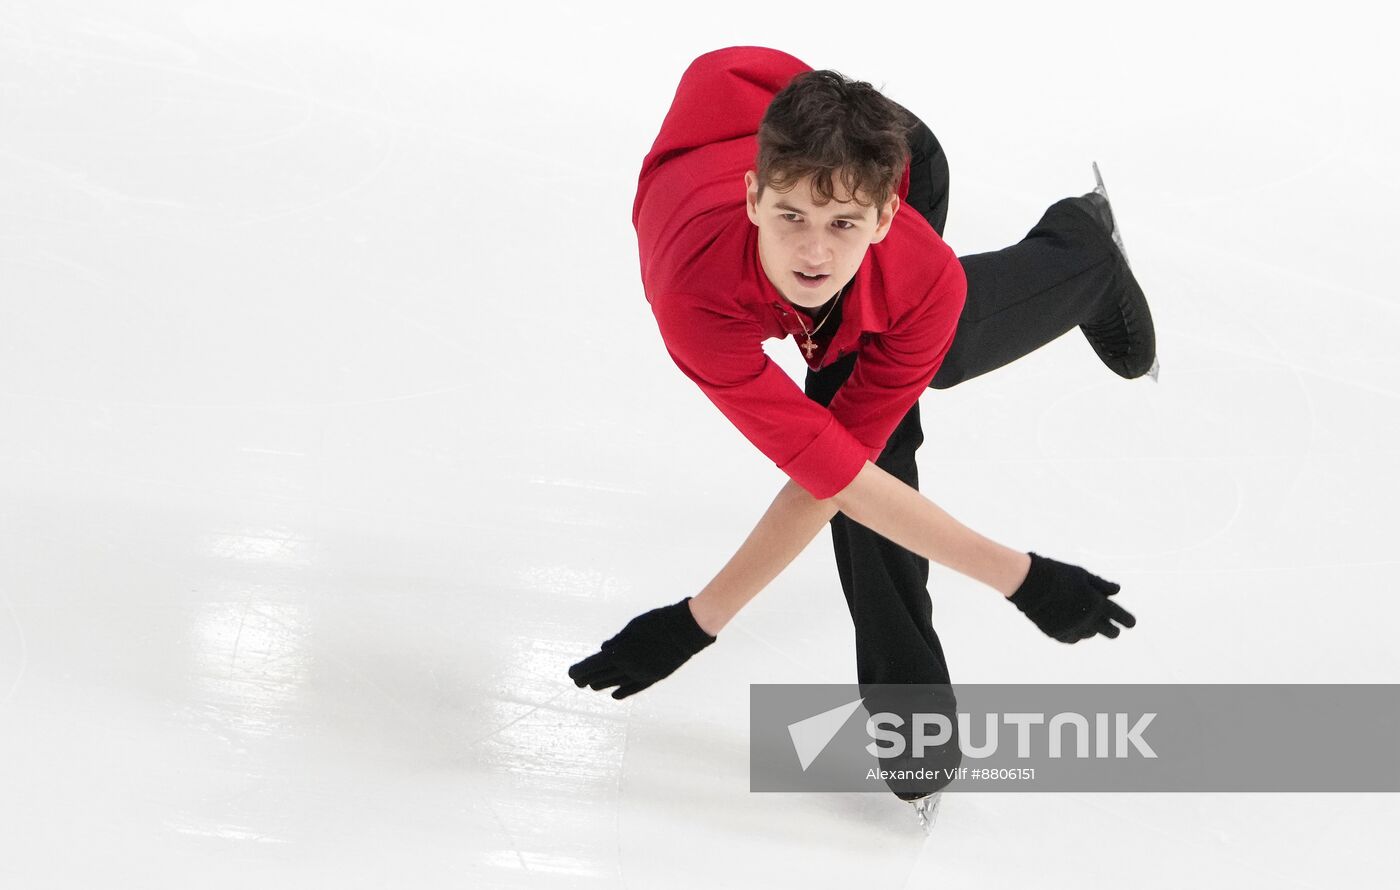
x: 715, y: 306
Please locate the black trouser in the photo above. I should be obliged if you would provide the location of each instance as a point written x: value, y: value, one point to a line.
x: 1062, y: 274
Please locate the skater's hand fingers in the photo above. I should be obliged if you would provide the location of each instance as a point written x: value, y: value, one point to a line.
x: 1107, y: 628
x: 1067, y: 602
x: 581, y: 668
x: 1120, y: 614
x: 602, y: 680
x: 605, y: 678
x: 584, y: 672
x: 649, y: 648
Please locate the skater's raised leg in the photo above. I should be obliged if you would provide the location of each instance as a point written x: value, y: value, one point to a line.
x: 1066, y: 273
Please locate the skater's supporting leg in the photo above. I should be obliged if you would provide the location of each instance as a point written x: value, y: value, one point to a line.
x: 886, y: 586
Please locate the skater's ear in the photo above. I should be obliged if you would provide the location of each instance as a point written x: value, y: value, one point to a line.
x: 751, y: 199
x: 882, y: 225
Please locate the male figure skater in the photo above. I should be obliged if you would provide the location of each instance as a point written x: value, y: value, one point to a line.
x: 772, y: 203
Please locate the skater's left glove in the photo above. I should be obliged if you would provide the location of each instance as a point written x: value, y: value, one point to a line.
x: 650, y: 647
x: 1069, y: 603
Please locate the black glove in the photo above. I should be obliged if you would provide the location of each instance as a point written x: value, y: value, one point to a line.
x: 650, y: 647
x: 1068, y: 602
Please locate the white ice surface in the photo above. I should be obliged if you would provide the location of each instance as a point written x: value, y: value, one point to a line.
x: 334, y: 427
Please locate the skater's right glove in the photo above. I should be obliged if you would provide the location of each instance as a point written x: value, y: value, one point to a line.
x: 650, y: 647
x: 1069, y: 603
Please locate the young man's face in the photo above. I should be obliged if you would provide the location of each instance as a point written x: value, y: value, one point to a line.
x: 796, y: 235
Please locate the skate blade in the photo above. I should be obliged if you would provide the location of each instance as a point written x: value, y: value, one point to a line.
x: 1118, y: 241
x: 927, y: 810
x: 1117, y: 234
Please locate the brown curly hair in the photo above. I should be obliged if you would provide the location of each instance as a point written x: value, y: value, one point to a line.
x: 824, y: 124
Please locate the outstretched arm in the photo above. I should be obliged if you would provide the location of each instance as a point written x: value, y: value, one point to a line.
x: 1064, y: 601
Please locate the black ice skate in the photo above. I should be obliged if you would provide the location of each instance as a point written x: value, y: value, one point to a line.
x: 1125, y: 340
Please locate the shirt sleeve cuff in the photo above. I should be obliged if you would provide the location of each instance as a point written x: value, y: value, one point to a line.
x: 829, y: 462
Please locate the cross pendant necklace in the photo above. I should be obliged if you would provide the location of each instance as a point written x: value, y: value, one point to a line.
x: 808, y: 347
